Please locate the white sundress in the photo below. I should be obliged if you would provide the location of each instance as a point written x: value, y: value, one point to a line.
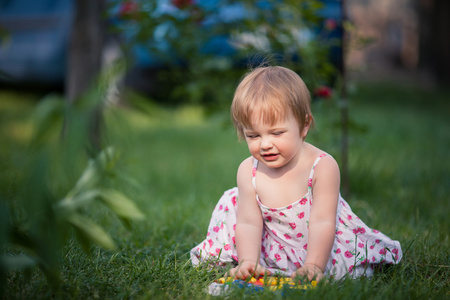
x: 356, y: 251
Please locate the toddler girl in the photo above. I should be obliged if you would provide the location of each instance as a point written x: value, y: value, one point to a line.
x: 286, y: 215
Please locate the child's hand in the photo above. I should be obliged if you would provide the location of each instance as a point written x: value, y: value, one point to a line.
x: 309, y: 270
x: 247, y: 269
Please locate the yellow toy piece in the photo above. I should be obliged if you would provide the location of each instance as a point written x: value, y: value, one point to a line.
x: 273, y: 283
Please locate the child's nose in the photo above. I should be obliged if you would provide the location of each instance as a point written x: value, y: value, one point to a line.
x: 266, y: 143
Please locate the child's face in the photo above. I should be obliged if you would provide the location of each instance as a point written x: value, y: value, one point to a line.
x: 275, y: 145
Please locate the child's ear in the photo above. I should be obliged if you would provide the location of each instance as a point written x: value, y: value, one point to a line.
x: 306, y: 126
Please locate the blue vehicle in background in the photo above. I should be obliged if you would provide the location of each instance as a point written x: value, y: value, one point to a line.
x: 35, y: 37
x: 34, y: 41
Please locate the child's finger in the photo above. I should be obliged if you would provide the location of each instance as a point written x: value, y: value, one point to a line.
x: 319, y: 277
x: 230, y: 273
x: 242, y: 273
x: 261, y: 271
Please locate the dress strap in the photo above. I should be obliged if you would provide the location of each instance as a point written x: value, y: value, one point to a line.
x: 312, y: 170
x: 255, y: 166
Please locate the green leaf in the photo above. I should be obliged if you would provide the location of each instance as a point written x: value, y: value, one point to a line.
x: 91, y: 231
x: 95, y: 170
x: 70, y: 204
x: 107, y: 158
x: 89, y: 178
x: 48, y: 116
x: 17, y: 262
x: 121, y: 205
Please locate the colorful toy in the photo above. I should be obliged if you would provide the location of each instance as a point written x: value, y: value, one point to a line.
x: 224, y: 284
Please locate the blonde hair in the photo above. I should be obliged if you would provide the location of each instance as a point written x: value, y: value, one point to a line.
x: 272, y: 91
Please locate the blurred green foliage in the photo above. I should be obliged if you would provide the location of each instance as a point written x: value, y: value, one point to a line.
x: 275, y: 32
x: 61, y: 179
x: 182, y: 163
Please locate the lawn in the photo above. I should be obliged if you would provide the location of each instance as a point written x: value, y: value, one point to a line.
x: 178, y: 163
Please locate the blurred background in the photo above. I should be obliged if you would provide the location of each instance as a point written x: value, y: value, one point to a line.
x: 44, y: 43
x: 85, y: 82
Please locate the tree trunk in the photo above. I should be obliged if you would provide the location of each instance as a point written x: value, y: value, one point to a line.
x: 85, y: 57
x: 435, y: 38
x: 345, y: 178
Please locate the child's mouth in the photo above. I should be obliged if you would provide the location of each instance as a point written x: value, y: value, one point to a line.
x: 270, y: 157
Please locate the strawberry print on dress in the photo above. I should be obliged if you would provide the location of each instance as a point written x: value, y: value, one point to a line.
x: 357, y: 249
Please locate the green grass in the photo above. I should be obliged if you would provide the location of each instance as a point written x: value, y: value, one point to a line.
x: 182, y: 163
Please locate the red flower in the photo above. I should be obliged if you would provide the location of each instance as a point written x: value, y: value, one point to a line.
x: 277, y: 257
x: 287, y: 236
x: 293, y: 225
x: 330, y: 24
x: 227, y: 247
x: 233, y: 200
x: 301, y: 215
x: 216, y: 228
x: 323, y: 92
x: 303, y: 201
x: 383, y: 251
x: 348, y: 254
x: 181, y: 4
x: 359, y: 230
x: 128, y: 8
x: 338, y: 250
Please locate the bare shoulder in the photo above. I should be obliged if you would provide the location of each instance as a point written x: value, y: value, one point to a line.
x: 328, y: 162
x: 327, y: 165
x: 246, y: 164
x: 244, y: 172
x: 244, y: 183
x: 327, y: 169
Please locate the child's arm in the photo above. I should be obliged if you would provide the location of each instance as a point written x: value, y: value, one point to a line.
x: 249, y: 225
x: 322, y: 222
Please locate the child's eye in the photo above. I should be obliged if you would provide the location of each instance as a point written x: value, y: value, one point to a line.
x: 278, y: 133
x: 251, y: 136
